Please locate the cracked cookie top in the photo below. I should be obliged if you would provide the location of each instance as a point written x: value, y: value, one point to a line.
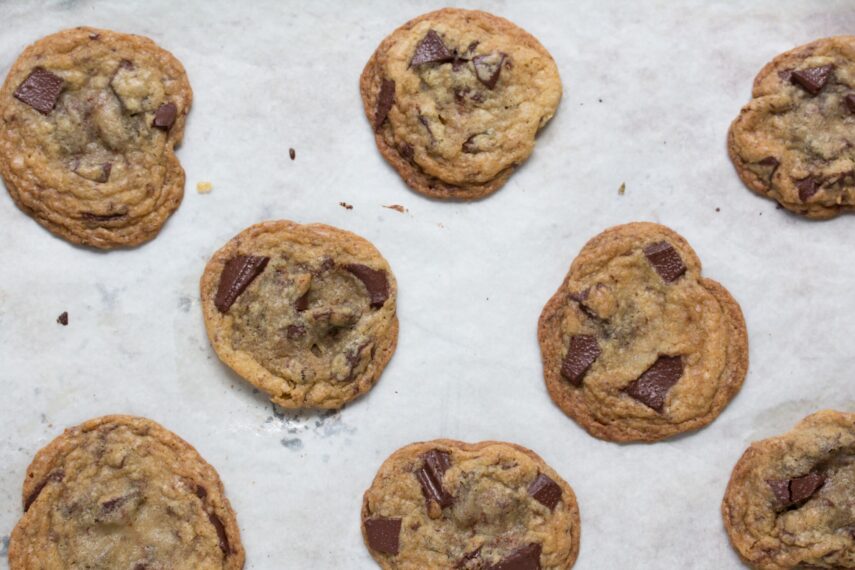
x: 456, y: 98
x: 636, y: 345
x: 304, y: 312
x: 88, y: 122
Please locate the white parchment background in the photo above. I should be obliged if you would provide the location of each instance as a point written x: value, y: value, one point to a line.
x: 650, y: 88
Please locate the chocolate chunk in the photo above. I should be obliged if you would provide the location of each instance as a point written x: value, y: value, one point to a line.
x: 40, y: 90
x: 374, y: 280
x: 525, y: 558
x: 63, y: 318
x: 292, y: 153
x: 584, y: 350
x: 651, y: 387
x: 53, y: 477
x: 770, y: 161
x: 850, y: 102
x: 665, y: 260
x: 807, y: 187
x: 302, y: 303
x: 237, y: 274
x: 384, y: 102
x: 488, y: 68
x: 431, y: 49
x: 545, y: 491
x: 812, y: 79
x: 407, y: 151
x: 436, y: 463
x: 383, y: 534
x: 201, y: 492
x: 165, y: 115
x: 222, y: 537
x: 790, y: 492
x: 785, y: 74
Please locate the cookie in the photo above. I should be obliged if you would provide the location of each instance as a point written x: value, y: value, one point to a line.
x: 456, y: 98
x: 485, y: 506
x: 794, y: 141
x: 636, y: 345
x: 789, y: 503
x: 88, y: 122
x: 304, y: 312
x: 123, y: 492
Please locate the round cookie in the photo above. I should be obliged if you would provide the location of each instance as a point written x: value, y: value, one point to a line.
x: 88, y: 122
x: 636, y: 345
x: 304, y: 312
x: 789, y: 503
x: 456, y: 98
x: 794, y: 141
x: 489, y: 505
x: 123, y: 492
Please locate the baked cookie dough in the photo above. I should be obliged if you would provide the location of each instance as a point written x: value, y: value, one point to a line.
x: 123, y: 492
x: 636, y: 345
x: 485, y: 506
x: 456, y: 98
x: 304, y: 312
x: 790, y: 502
x: 795, y: 141
x: 88, y: 122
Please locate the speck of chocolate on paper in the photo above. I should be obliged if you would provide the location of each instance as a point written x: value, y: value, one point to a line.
x: 397, y: 208
x: 345, y: 205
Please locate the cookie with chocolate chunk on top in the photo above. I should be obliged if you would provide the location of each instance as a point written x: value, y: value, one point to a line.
x: 482, y: 506
x: 456, y: 99
x: 789, y: 500
x: 793, y: 142
x: 306, y: 313
x: 636, y: 344
x: 123, y: 492
x: 89, y: 120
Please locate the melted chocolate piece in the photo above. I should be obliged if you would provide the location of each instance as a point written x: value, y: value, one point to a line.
x: 812, y: 79
x: 488, y: 68
x: 770, y: 161
x: 237, y: 274
x: 221, y: 533
x: 545, y: 491
x: 384, y: 102
x: 383, y: 534
x: 407, y: 151
x: 302, y: 303
x: 525, y: 558
x: 652, y: 387
x: 294, y: 332
x: 665, y: 260
x: 436, y: 463
x: 374, y: 280
x: 583, y: 351
x: 63, y: 318
x: 807, y: 187
x: 93, y: 217
x: 53, y: 477
x: 470, y: 146
x: 165, y: 115
x: 106, y: 168
x: 112, y: 505
x: 431, y: 49
x: 850, y: 102
x: 790, y: 492
x: 40, y: 90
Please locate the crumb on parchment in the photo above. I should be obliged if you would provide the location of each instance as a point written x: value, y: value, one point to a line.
x: 345, y: 205
x: 622, y: 189
x: 204, y: 187
x: 397, y: 208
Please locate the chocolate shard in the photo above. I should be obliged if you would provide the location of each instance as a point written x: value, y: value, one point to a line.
x: 812, y: 79
x: 292, y: 153
x: 114, y: 504
x: 374, y: 280
x: 583, y: 351
x: 524, y: 558
x: 385, y: 99
x: 165, y: 115
x: 431, y: 49
x: 222, y: 537
x: 652, y: 386
x: 237, y: 274
x: 488, y: 68
x: 53, y: 477
x: 665, y: 260
x: 63, y: 318
x: 545, y: 491
x: 850, y: 102
x: 383, y: 534
x: 770, y: 161
x: 302, y: 303
x: 807, y: 187
x: 791, y: 492
x: 436, y: 463
x: 40, y: 90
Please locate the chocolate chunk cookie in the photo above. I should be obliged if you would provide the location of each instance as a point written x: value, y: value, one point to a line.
x: 88, y: 122
x: 484, y: 506
x: 456, y: 98
x: 304, y: 312
x: 790, y: 502
x: 636, y: 345
x: 795, y: 140
x: 123, y: 492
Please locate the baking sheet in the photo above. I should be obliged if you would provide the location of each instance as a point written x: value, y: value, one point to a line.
x: 650, y: 88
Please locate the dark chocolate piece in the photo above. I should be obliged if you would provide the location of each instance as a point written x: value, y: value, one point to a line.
x: 652, y: 386
x: 807, y: 187
x: 431, y: 49
x: 583, y: 351
x: 115, y: 504
x: 106, y: 168
x: 384, y: 102
x: 524, y: 558
x: 383, y: 534
x: 374, y: 280
x: 292, y: 153
x: 53, y: 477
x: 790, y: 492
x: 436, y: 463
x: 165, y: 115
x: 93, y: 217
x: 545, y: 491
x: 488, y: 68
x: 302, y: 303
x: 237, y: 274
x: 665, y: 260
x: 40, y: 90
x: 294, y: 332
x: 63, y: 318
x: 812, y: 79
x: 222, y: 537
x: 850, y: 102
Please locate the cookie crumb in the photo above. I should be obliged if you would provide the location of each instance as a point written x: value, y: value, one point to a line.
x: 345, y: 205
x: 292, y: 153
x: 397, y: 208
x: 63, y: 319
x: 622, y: 190
x: 204, y: 187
